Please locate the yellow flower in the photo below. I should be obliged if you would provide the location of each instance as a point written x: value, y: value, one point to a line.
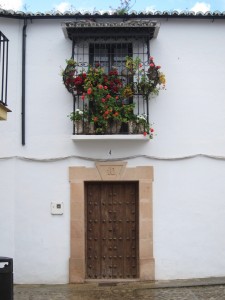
x: 127, y: 92
x: 162, y: 79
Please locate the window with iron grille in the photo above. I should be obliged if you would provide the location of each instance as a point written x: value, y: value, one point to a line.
x: 111, y: 44
x: 108, y: 55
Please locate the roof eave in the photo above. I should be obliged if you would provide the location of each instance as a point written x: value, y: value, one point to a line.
x: 137, y: 28
x: 98, y: 15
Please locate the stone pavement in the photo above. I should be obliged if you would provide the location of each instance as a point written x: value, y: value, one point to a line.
x: 196, y: 289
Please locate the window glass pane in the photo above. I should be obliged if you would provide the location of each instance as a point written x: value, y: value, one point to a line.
x: 110, y: 55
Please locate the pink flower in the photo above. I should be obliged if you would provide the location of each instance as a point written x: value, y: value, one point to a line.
x: 103, y: 100
x: 152, y: 65
x: 152, y: 130
x: 100, y: 86
x: 83, y: 96
x: 151, y: 58
x: 144, y: 133
x: 89, y: 91
x: 105, y: 87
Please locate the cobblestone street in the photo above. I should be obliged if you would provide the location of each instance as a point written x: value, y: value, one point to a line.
x: 198, y: 289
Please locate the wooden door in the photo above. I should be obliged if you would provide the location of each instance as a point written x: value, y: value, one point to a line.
x: 111, y: 230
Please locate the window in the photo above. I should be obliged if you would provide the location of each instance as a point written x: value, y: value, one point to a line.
x: 109, y: 54
x: 108, y: 42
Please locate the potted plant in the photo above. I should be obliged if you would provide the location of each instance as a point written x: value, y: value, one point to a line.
x: 132, y: 65
x: 107, y: 115
x: 103, y: 92
x: 128, y: 116
x: 152, y: 81
x: 73, y: 81
x: 104, y: 96
x: 127, y: 92
x: 79, y: 117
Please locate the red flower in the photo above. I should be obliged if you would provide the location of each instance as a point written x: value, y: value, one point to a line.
x: 113, y: 72
x: 152, y: 130
x: 152, y: 65
x: 95, y: 119
x: 78, y: 80
x: 103, y: 100
x: 83, y: 96
x: 89, y: 91
x: 145, y: 133
x: 105, y: 87
x: 100, y: 86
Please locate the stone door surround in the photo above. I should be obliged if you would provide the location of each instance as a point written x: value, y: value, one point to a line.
x: 110, y: 171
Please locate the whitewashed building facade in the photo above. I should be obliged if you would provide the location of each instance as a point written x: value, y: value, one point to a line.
x: 47, y: 174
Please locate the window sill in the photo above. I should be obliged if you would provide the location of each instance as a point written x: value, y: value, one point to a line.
x: 111, y: 137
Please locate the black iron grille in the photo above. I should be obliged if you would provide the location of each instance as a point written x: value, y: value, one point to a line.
x: 111, y: 54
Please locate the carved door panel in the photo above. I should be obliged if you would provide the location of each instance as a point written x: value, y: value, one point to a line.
x: 111, y: 230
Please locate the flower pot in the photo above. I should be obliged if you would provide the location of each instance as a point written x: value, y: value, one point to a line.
x: 131, y: 127
x: 153, y: 76
x: 128, y: 74
x: 89, y: 128
x: 125, y: 72
x: 140, y: 128
x: 79, y: 127
x: 113, y: 127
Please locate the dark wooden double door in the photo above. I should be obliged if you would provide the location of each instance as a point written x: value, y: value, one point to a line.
x: 111, y: 230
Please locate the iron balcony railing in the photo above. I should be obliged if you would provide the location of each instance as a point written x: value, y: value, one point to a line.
x: 112, y: 55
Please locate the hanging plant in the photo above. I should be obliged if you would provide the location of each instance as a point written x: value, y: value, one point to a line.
x: 73, y: 81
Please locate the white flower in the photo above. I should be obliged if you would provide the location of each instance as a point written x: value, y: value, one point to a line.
x: 79, y: 112
x: 142, y: 118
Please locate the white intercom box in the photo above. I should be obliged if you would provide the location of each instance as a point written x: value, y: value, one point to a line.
x: 57, y: 208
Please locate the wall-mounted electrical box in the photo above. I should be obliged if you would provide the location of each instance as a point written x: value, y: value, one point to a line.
x: 57, y: 208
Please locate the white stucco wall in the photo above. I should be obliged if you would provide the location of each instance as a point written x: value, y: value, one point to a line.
x: 188, y: 118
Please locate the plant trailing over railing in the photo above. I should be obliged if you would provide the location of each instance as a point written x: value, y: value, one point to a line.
x: 104, y: 110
